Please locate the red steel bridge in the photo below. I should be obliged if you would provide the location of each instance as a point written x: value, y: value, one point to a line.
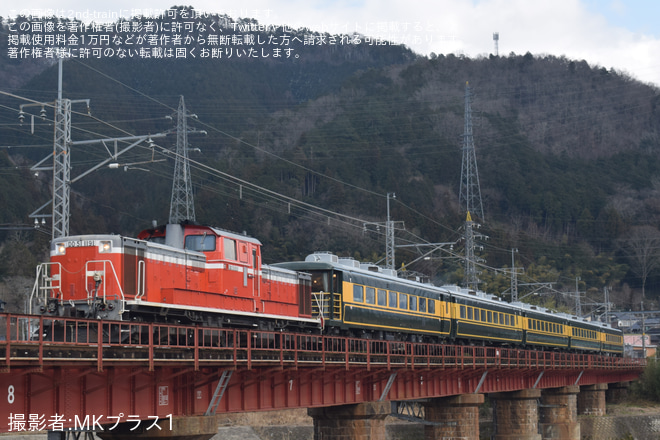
x: 72, y: 373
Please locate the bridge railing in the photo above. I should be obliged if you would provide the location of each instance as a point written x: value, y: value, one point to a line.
x: 27, y: 338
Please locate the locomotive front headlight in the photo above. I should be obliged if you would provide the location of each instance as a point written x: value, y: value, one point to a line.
x: 60, y: 249
x: 105, y: 247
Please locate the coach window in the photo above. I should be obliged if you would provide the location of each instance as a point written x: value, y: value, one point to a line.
x: 358, y: 293
x: 229, y: 246
x: 501, y: 318
x: 382, y: 297
x: 483, y: 316
x: 370, y: 297
x: 413, y: 303
x: 422, y: 305
x: 470, y: 315
x: 403, y: 301
x: 393, y: 299
x: 463, y: 314
x: 490, y: 316
x: 506, y: 320
x: 432, y: 306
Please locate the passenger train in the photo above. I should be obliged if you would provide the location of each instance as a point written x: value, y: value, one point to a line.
x: 192, y: 274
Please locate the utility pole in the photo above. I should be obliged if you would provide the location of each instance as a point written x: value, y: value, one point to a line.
x: 182, y: 205
x: 643, y: 332
x: 608, y: 309
x: 390, y: 226
x: 61, y: 157
x: 578, y: 301
x: 514, y: 277
x: 389, y: 232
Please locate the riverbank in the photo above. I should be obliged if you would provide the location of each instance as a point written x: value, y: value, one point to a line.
x: 632, y: 420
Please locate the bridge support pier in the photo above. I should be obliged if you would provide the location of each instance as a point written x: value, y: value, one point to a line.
x: 361, y: 421
x: 456, y: 417
x: 558, y: 413
x: 616, y: 392
x: 516, y: 415
x: 591, y: 400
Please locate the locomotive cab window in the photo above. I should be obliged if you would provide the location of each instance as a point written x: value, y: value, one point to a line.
x: 200, y: 243
x: 229, y: 246
x: 463, y: 314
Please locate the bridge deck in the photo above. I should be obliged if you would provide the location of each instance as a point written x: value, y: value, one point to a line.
x: 58, y: 371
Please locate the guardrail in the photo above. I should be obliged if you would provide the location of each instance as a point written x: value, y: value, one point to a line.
x: 38, y: 341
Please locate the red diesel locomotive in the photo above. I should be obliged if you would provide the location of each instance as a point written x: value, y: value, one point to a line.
x: 175, y: 273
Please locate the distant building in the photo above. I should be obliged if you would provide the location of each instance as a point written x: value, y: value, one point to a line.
x: 634, y: 346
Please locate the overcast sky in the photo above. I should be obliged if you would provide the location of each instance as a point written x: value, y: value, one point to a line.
x: 610, y: 33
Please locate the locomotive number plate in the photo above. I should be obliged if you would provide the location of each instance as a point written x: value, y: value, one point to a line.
x: 79, y: 243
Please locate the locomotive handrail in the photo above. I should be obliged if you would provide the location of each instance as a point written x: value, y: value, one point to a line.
x: 42, y: 277
x: 104, y: 283
x: 141, y: 279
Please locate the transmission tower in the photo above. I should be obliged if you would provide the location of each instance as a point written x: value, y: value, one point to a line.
x: 470, y: 192
x: 182, y: 206
x: 470, y: 195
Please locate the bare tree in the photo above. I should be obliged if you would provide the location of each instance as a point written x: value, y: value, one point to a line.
x: 642, y: 247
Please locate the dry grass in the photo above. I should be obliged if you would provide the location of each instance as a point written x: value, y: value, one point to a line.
x: 288, y: 417
x: 633, y: 407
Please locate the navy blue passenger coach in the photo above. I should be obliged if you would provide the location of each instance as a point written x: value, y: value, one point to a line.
x: 366, y: 301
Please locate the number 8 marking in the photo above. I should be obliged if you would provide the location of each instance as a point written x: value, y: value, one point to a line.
x: 10, y: 394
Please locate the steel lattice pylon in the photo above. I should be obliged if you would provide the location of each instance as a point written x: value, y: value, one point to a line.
x: 61, y: 168
x: 182, y: 205
x: 470, y: 191
x: 470, y: 195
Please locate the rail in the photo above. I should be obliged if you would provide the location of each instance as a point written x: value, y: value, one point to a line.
x: 38, y: 341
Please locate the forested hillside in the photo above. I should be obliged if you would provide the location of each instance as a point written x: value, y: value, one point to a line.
x: 567, y: 158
